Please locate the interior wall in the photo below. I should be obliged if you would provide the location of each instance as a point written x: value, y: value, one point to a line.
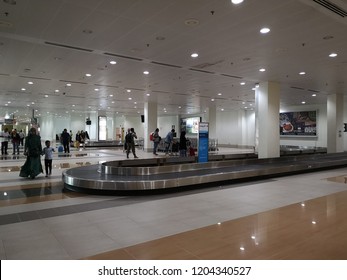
x: 233, y: 128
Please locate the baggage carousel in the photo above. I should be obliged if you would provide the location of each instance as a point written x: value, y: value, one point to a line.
x: 144, y: 175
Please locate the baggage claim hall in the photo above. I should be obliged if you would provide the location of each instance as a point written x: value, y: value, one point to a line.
x: 259, y: 87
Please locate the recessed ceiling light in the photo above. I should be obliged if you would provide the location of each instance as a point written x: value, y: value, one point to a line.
x: 87, y: 31
x: 160, y: 38
x: 313, y: 94
x: 30, y: 83
x: 242, y: 83
x: 219, y: 94
x: 129, y: 98
x: 212, y: 99
x: 111, y: 95
x: 194, y: 55
x: 113, y: 62
x: 68, y: 85
x: 328, y: 37
x: 23, y: 89
x: 191, y: 22
x: 96, y: 89
x: 128, y: 90
x: 88, y: 75
x: 333, y: 55
x: 236, y: 1
x: 148, y: 94
x: 302, y: 73
x: 262, y: 70
x: 11, y: 2
x: 145, y: 72
x: 56, y: 90
x: 303, y: 102
x: 264, y: 30
x: 46, y: 95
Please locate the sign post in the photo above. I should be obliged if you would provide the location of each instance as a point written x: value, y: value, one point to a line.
x: 203, y: 142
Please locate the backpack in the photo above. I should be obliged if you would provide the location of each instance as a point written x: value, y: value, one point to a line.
x: 151, y: 136
x: 128, y: 138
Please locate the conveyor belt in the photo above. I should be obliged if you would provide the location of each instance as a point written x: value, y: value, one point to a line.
x: 163, y: 173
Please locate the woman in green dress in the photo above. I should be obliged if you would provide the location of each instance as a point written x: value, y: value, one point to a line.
x: 33, y: 150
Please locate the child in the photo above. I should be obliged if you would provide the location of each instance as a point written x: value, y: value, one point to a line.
x: 48, y: 152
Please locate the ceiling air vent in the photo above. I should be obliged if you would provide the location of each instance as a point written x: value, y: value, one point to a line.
x: 123, y: 56
x: 332, y: 7
x: 68, y: 47
x: 166, y: 64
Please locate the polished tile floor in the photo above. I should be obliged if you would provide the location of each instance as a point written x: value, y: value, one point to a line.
x: 294, y: 217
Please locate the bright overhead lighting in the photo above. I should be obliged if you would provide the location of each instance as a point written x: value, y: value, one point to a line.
x: 313, y: 94
x: 212, y: 99
x: 23, y: 89
x: 194, y: 55
x: 68, y: 85
x: 333, y: 55
x: 302, y: 73
x: 303, y: 102
x: 96, y: 89
x: 262, y: 70
x: 242, y: 83
x: 145, y: 72
x: 264, y: 30
x: 128, y: 90
x: 88, y: 75
x: 113, y: 62
x: 30, y: 83
x: 236, y: 1
x: 219, y: 94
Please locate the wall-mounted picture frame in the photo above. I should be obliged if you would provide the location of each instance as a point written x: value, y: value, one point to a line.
x: 302, y: 123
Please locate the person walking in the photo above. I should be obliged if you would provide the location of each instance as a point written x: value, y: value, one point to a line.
x: 183, y: 144
x: 32, y: 149
x: 15, y: 141
x: 65, y: 139
x: 168, y: 141
x: 156, y: 141
x: 130, y: 140
x: 48, y: 153
x: 4, y: 136
x: 21, y: 136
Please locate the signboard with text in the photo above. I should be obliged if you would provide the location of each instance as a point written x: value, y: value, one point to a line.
x: 203, y: 142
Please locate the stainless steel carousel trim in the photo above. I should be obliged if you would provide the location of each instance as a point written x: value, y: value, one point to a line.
x: 135, y: 175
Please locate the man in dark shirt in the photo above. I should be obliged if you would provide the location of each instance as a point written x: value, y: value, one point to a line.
x: 65, y: 139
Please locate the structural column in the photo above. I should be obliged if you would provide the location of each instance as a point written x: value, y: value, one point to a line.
x: 151, y: 119
x: 267, y: 120
x: 335, y: 123
x: 212, y: 119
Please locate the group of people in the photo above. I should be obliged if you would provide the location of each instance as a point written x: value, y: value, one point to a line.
x: 33, y: 150
x: 66, y: 138
x: 16, y: 138
x: 169, y: 142
x: 129, y: 144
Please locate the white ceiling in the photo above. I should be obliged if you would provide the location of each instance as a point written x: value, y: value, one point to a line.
x: 55, y: 42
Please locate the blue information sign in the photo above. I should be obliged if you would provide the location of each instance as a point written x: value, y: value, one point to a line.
x: 203, y: 142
